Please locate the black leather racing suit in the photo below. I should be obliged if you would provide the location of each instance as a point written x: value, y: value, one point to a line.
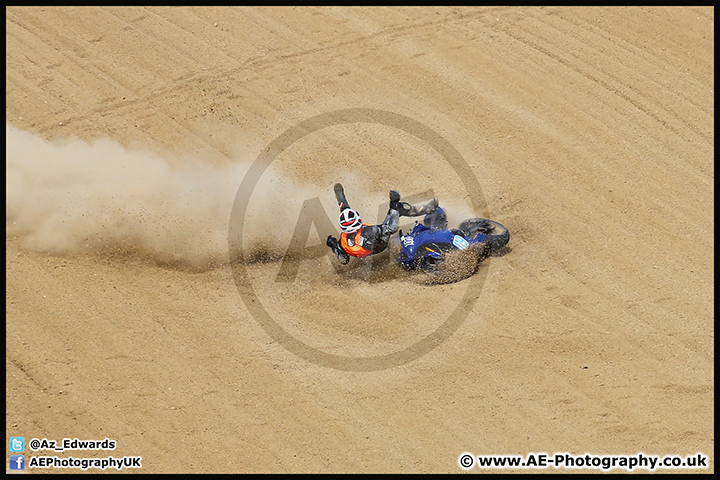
x: 375, y: 237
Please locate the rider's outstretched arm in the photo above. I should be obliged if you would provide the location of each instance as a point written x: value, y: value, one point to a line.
x: 337, y: 249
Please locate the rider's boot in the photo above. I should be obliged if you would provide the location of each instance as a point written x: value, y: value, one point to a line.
x: 408, y: 210
x: 394, y: 200
x: 429, y: 208
x: 413, y: 211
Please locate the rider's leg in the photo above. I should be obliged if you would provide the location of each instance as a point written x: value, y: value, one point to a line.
x: 407, y: 210
x: 388, y: 227
x: 391, y: 222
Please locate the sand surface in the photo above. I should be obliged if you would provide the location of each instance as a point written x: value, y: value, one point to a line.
x: 590, y: 132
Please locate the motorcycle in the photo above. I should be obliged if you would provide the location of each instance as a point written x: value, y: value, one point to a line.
x: 429, y: 246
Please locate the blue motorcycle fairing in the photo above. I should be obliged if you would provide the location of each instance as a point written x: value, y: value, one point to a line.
x: 429, y: 241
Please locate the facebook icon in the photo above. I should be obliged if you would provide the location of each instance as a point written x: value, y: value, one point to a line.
x: 17, y: 462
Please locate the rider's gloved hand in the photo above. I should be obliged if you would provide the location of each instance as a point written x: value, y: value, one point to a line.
x: 331, y: 241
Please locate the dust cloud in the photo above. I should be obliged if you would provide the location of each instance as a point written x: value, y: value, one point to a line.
x: 75, y: 197
x: 71, y: 196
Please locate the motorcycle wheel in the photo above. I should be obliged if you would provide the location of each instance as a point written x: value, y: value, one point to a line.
x: 497, y: 235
